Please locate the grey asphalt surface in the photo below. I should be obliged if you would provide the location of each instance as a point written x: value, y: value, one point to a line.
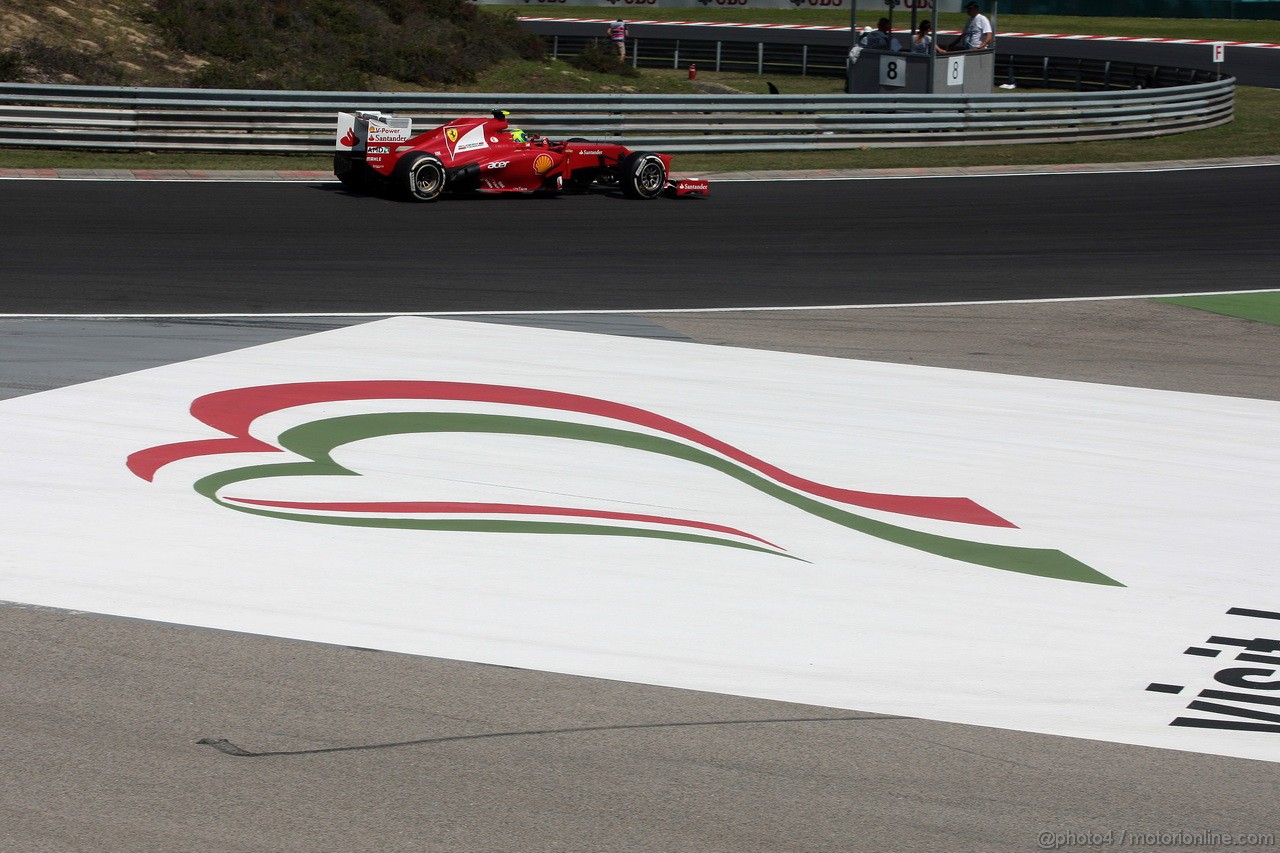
x: 101, y: 718
x: 147, y: 247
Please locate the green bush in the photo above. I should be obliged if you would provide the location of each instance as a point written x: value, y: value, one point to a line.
x: 340, y: 44
x: 602, y: 57
x: 12, y: 66
x: 54, y: 62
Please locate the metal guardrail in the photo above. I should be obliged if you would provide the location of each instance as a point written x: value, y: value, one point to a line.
x: 220, y: 120
x: 253, y: 121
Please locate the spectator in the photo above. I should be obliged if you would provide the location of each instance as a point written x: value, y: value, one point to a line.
x: 923, y: 38
x: 978, y: 32
x: 618, y: 35
x: 881, y: 38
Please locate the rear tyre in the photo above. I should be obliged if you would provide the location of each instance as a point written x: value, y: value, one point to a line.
x: 644, y: 175
x: 421, y: 177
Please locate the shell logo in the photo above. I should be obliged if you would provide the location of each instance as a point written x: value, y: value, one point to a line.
x: 542, y: 164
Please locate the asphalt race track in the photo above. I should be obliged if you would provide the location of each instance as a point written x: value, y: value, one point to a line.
x: 189, y: 248
x: 127, y: 735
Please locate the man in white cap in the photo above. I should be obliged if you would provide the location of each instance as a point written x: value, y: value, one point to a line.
x: 977, y: 34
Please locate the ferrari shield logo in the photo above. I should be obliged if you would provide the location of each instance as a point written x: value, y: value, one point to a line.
x: 451, y: 134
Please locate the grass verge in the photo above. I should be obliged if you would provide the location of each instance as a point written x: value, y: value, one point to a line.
x: 1262, y: 307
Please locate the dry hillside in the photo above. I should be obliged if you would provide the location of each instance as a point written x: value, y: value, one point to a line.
x: 89, y: 41
x: 257, y: 44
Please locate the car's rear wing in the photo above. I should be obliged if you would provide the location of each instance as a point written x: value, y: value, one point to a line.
x: 356, y: 130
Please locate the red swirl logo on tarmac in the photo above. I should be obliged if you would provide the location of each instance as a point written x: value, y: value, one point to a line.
x: 540, y: 413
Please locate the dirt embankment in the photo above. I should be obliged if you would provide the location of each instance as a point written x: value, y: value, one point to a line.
x: 88, y: 41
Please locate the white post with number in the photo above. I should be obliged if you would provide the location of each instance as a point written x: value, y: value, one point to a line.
x: 955, y: 70
x: 893, y: 71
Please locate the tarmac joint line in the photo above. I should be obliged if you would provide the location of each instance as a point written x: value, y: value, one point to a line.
x: 227, y: 747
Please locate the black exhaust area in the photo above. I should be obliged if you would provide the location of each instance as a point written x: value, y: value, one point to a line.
x: 464, y: 178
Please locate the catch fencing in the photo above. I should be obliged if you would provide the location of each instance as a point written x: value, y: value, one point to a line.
x: 745, y: 55
x: 1257, y: 10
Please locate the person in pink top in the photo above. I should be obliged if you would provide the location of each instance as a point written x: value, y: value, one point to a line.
x: 618, y: 35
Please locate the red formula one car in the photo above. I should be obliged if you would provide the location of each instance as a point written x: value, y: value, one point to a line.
x: 378, y: 152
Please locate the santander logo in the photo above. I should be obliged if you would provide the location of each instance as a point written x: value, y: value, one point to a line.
x: 350, y: 139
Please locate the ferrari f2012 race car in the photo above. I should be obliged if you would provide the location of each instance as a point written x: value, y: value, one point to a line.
x: 376, y: 152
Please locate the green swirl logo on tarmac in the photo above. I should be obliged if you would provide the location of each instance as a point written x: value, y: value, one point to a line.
x: 540, y: 413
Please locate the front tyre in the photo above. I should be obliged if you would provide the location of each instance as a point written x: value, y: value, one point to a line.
x: 644, y: 175
x: 421, y: 177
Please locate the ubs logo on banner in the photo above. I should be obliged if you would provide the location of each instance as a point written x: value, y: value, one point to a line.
x: 1254, y: 679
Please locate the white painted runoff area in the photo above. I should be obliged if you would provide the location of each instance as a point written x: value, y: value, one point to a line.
x: 1173, y: 495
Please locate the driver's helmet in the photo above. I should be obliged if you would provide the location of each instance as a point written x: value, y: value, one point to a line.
x: 518, y: 135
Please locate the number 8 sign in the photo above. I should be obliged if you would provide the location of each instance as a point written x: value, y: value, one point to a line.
x: 893, y: 71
